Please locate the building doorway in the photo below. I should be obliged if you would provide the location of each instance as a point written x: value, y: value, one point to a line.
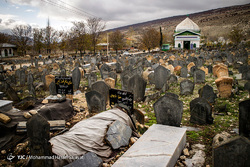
x: 186, y: 45
x: 5, y: 52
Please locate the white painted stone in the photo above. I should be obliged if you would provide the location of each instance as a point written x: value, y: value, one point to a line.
x: 160, y: 145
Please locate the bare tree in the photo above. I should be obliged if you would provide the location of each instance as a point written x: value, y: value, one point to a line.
x: 80, y: 38
x: 4, y: 38
x: 117, y: 40
x: 38, y: 39
x: 96, y: 26
x: 63, y: 41
x: 150, y: 38
x: 22, y: 34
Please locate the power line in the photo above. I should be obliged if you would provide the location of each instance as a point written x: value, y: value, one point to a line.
x: 66, y: 8
x: 78, y: 9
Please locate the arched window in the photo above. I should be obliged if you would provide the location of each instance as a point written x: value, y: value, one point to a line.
x: 10, y: 52
x: 179, y: 45
x: 194, y: 45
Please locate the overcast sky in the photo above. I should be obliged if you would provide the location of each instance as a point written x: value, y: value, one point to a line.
x: 115, y: 13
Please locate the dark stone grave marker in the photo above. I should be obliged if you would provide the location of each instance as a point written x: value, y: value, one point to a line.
x: 200, y: 111
x: 96, y: 102
x: 168, y: 111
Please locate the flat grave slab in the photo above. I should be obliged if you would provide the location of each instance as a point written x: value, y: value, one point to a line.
x: 159, y: 146
x: 5, y: 105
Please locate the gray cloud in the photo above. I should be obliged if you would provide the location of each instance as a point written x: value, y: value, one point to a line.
x: 124, y: 12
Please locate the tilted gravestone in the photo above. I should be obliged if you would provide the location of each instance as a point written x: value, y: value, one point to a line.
x: 92, y: 77
x: 113, y: 75
x: 199, y: 76
x: 118, y: 134
x: 168, y: 111
x: 184, y: 72
x: 76, y: 77
x: 161, y: 74
x: 101, y: 87
x: 235, y: 152
x: 200, y: 111
x: 186, y: 87
x: 244, y: 118
x: 207, y: 92
x: 96, y: 102
x: 105, y: 69
x: 137, y: 86
x: 38, y: 131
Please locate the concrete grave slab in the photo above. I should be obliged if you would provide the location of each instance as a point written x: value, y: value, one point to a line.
x: 159, y: 146
x: 5, y: 105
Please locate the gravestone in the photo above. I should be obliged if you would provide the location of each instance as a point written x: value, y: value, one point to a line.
x: 199, y: 76
x: 11, y: 93
x: 151, y: 78
x: 168, y: 111
x: 38, y: 131
x: 118, y: 68
x: 169, y: 94
x: 161, y: 74
x: 192, y: 70
x: 244, y: 118
x: 76, y: 77
x: 184, y: 72
x: 172, y: 79
x: 30, y: 80
x: 207, y: 92
x: 210, y: 69
x: 235, y: 152
x: 105, y: 69
x: 125, y: 75
x: 32, y: 90
x: 186, y: 87
x: 63, y: 72
x: 22, y: 77
x: 200, y: 111
x: 92, y: 77
x: 52, y: 88
x: 96, y: 102
x: 101, y: 87
x: 118, y: 134
x: 113, y: 75
x: 137, y: 86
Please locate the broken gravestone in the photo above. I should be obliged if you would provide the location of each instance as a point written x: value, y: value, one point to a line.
x: 168, y: 111
x: 118, y: 134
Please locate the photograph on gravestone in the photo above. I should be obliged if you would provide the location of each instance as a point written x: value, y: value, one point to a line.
x: 117, y: 96
x: 64, y: 85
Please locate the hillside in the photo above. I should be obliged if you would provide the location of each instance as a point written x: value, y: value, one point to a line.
x: 213, y: 23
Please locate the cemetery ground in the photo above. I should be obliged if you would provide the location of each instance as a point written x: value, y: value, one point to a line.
x: 225, y: 112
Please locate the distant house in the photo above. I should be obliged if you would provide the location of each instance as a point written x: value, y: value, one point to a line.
x: 187, y: 35
x: 7, y: 49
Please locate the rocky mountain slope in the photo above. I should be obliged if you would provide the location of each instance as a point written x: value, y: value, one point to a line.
x: 214, y: 23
